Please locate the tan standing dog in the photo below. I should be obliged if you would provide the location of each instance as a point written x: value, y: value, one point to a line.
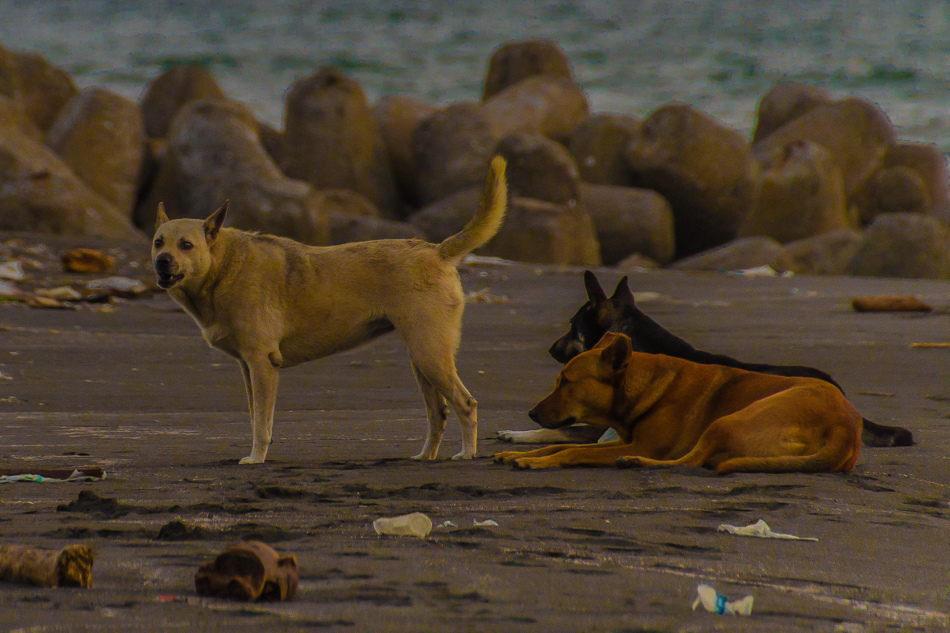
x: 271, y: 302
x: 668, y: 411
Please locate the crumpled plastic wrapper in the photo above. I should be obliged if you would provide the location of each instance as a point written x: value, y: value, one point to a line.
x: 717, y: 603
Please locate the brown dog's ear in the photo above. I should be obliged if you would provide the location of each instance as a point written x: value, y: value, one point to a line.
x: 616, y: 354
x: 595, y: 293
x: 215, y: 220
x: 160, y: 217
x: 606, y: 340
x: 622, y: 292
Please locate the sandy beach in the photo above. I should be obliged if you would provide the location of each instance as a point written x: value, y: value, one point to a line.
x: 137, y: 392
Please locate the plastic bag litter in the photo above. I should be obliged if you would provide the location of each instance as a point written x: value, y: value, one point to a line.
x: 415, y: 524
x: 715, y: 602
x: 761, y: 529
x: 46, y: 475
x: 485, y: 523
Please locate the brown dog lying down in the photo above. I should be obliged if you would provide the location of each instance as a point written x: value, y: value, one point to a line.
x: 668, y: 411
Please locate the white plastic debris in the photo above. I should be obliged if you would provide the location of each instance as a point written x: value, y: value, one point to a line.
x: 761, y: 529
x: 9, y: 291
x: 649, y: 295
x: 118, y: 286
x: 715, y: 602
x: 481, y: 260
x: 485, y: 523
x: 60, y: 293
x: 415, y: 524
x: 12, y: 271
x: 759, y: 271
x: 447, y: 524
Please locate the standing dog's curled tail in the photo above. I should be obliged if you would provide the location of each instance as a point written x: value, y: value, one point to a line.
x: 487, y: 220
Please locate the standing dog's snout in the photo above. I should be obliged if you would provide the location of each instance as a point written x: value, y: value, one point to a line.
x: 164, y: 261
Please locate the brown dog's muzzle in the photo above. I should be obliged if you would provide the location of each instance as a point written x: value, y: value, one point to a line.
x: 166, y: 268
x: 543, y: 420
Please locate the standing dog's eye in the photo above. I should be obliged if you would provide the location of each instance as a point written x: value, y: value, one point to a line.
x: 185, y: 245
x: 159, y: 243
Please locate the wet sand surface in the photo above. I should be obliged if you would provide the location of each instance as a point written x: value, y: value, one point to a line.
x: 138, y: 392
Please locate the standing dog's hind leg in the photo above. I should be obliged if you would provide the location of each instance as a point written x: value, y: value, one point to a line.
x: 263, y: 381
x: 436, y: 413
x: 446, y: 380
x: 466, y: 408
x: 439, y: 370
x: 432, y: 352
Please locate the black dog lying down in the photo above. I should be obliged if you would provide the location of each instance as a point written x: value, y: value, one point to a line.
x: 619, y: 313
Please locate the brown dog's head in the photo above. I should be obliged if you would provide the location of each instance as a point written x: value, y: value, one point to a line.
x: 585, y: 388
x: 181, y: 249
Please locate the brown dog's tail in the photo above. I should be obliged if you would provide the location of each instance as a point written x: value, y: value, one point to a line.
x: 839, y: 453
x: 487, y: 220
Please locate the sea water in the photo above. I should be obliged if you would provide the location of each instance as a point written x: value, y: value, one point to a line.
x: 631, y: 56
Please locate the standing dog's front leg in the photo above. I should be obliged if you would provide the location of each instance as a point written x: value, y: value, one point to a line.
x: 263, y: 394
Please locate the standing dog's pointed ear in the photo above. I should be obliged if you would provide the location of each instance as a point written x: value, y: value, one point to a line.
x: 622, y: 293
x: 160, y: 217
x: 215, y: 220
x: 616, y: 354
x: 595, y: 293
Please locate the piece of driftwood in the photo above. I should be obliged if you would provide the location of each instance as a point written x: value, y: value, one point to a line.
x: 87, y: 260
x: 889, y: 303
x: 249, y: 571
x: 70, y: 567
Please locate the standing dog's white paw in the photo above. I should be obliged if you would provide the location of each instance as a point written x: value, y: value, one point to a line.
x: 464, y: 455
x: 250, y: 459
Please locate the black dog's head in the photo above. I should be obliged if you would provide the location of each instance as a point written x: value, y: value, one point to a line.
x: 601, y: 314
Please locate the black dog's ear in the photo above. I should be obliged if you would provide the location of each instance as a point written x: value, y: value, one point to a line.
x: 622, y: 292
x: 616, y: 355
x: 214, y: 221
x: 595, y: 293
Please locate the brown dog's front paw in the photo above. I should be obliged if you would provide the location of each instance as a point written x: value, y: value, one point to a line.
x: 506, y: 457
x: 629, y: 462
x: 533, y: 463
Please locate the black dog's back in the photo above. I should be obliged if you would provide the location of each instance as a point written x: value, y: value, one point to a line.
x: 619, y: 313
